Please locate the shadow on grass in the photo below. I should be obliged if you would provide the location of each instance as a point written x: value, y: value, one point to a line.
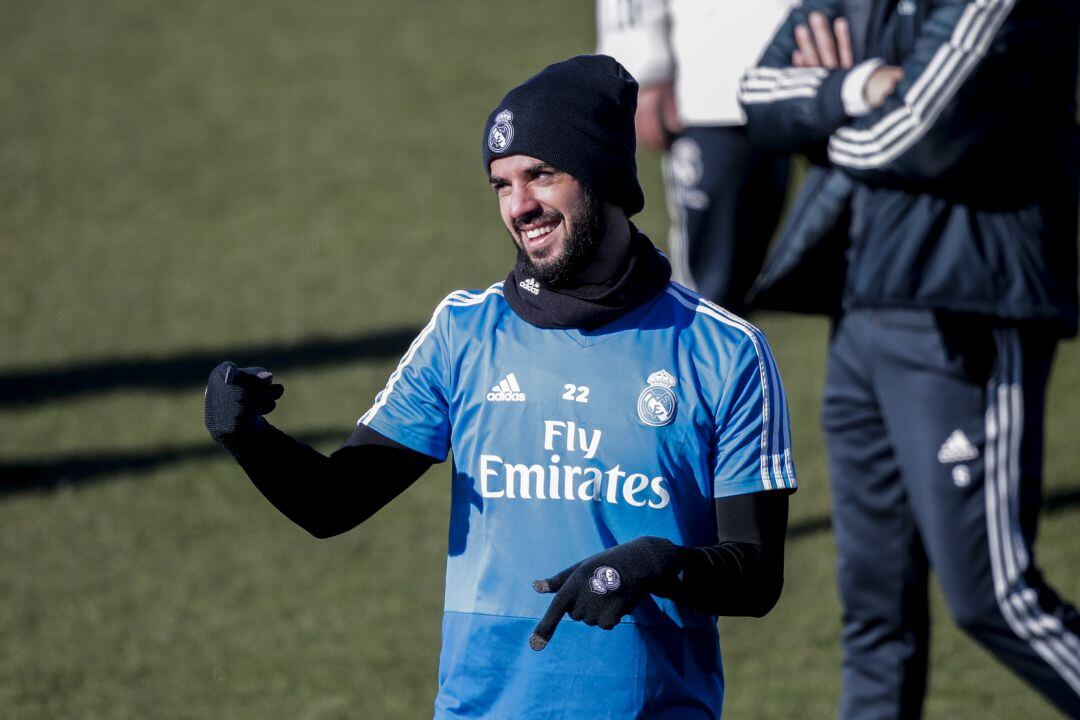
x: 47, y: 474
x: 187, y: 370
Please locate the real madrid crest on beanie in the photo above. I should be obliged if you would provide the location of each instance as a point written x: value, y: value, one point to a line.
x: 577, y: 115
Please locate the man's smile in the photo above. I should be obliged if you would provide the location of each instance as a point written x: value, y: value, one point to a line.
x: 537, y: 232
x: 538, y: 235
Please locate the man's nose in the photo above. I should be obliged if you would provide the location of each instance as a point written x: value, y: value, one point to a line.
x: 523, y: 203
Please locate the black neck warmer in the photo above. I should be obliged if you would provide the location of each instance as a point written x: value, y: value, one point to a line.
x: 587, y: 307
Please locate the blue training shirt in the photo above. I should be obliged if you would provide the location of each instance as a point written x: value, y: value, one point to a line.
x: 566, y: 443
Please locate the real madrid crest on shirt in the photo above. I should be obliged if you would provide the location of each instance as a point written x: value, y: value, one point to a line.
x: 656, y: 403
x: 501, y: 133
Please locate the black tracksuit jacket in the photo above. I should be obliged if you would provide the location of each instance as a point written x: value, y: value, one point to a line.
x: 960, y: 193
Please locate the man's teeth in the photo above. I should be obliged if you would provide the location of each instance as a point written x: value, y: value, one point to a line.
x: 537, y: 232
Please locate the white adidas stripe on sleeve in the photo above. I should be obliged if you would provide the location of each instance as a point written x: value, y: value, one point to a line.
x: 776, y: 467
x: 765, y: 85
x: 455, y: 299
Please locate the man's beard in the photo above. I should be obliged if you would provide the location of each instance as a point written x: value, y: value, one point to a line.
x: 587, y: 227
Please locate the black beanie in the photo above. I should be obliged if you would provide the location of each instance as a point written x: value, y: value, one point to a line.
x: 577, y: 115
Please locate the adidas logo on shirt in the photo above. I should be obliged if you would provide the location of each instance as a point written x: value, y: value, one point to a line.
x: 531, y: 285
x: 957, y: 448
x: 507, y: 390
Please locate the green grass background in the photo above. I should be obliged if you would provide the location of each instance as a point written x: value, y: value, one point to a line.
x: 196, y: 177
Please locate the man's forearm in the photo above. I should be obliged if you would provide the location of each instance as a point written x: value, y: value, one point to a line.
x: 743, y: 573
x: 731, y: 579
x: 326, y: 495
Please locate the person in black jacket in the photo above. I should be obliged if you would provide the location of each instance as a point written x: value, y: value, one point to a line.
x: 937, y: 225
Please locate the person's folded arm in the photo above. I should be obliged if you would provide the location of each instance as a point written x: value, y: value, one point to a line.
x: 792, y: 108
x: 976, y: 67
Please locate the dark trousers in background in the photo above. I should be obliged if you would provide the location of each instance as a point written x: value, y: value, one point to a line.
x: 934, y: 427
x: 724, y: 199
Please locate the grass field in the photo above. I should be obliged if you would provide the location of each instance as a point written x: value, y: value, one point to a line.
x: 297, y: 185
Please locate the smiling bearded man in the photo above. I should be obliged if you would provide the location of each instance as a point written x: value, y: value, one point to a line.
x: 607, y: 425
x: 587, y: 229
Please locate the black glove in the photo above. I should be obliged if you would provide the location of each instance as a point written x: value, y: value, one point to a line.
x: 603, y: 588
x: 237, y: 398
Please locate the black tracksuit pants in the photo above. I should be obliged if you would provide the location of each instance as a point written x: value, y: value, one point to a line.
x: 934, y: 426
x: 724, y: 198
